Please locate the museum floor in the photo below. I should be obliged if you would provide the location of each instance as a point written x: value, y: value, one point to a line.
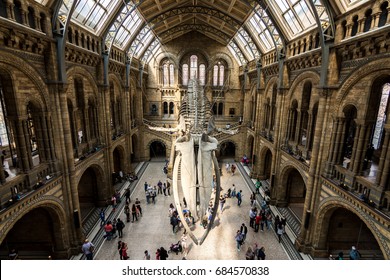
x: 153, y: 229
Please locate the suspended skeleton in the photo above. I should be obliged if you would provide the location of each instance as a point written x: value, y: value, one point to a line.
x: 195, y: 156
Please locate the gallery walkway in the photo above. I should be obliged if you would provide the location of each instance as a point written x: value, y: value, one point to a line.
x: 153, y: 229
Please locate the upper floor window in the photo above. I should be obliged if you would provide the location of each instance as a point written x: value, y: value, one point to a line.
x: 218, y: 74
x: 168, y: 74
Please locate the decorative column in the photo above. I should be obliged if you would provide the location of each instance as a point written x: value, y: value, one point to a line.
x: 298, y: 127
x: 2, y: 174
x: 357, y: 136
x: 28, y: 143
x: 289, y: 120
x: 23, y: 161
x: 10, y: 10
x: 310, y: 126
x: 338, y: 156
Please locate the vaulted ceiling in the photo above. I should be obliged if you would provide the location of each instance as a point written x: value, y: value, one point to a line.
x: 249, y: 28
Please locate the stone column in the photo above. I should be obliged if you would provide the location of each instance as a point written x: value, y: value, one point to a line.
x: 298, y: 127
x: 10, y: 9
x: 310, y: 125
x: 27, y: 137
x: 24, y: 14
x: 355, y: 144
x: 338, y: 156
x: 24, y: 163
x: 385, y: 172
x: 359, y: 153
x: 288, y: 129
x: 388, y: 13
x: 2, y: 174
x: 333, y: 146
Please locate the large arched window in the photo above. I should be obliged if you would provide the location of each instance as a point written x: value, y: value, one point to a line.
x: 202, y: 74
x: 218, y: 74
x: 185, y: 74
x: 168, y: 74
x: 193, y: 66
x: 381, y: 117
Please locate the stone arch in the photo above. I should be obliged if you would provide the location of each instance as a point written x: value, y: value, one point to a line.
x: 13, y: 63
x: 269, y: 86
x: 185, y: 52
x: 289, y: 188
x: 227, y: 148
x: 371, y: 70
x: 162, y: 148
x: 222, y: 56
x: 328, y: 205
x: 54, y: 208
x: 96, y: 190
x: 307, y: 75
x: 250, y: 148
x: 265, y: 162
x: 168, y: 55
x: 134, y: 152
x: 78, y: 71
x: 118, y: 158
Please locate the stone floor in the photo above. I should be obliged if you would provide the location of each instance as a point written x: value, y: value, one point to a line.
x: 153, y: 229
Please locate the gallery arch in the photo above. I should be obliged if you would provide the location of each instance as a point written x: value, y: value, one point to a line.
x: 157, y: 149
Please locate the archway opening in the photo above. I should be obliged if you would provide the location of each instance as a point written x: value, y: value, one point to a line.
x: 345, y: 229
x: 157, y: 150
x: 89, y: 190
x: 227, y: 150
x: 43, y: 238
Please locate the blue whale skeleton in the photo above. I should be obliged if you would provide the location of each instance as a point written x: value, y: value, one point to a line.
x: 195, y: 164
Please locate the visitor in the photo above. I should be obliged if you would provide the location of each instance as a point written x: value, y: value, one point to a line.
x: 222, y: 201
x: 354, y: 254
x: 120, y: 225
x: 87, y: 249
x: 239, y: 198
x: 134, y: 213
x: 239, y: 239
x: 146, y: 255
x: 243, y: 231
x: 102, y: 217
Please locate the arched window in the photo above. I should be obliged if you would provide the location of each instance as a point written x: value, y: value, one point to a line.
x: 193, y: 66
x: 31, y: 17
x: 3, y: 127
x: 218, y: 74
x: 383, y: 15
x: 43, y: 22
x: 354, y: 26
x: 168, y: 74
x: 165, y: 108
x: 171, y: 108
x: 171, y: 74
x: 215, y: 75
x: 368, y: 21
x: 220, y: 108
x: 165, y: 75
x: 381, y: 117
x: 307, y: 88
x: 221, y: 75
x: 185, y: 74
x: 3, y: 8
x: 202, y: 74
x: 18, y: 11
